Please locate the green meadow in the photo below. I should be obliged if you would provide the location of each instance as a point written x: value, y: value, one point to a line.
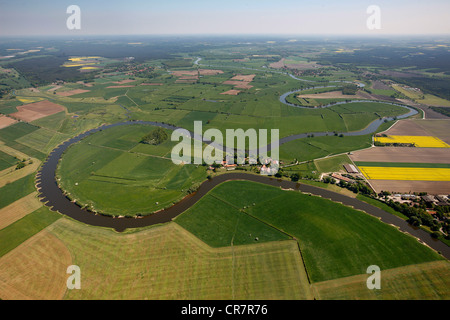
x: 336, y: 241
x: 113, y: 173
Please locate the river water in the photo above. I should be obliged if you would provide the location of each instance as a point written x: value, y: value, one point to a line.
x: 54, y: 197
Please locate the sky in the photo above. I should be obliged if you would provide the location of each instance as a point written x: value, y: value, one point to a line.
x: 267, y: 17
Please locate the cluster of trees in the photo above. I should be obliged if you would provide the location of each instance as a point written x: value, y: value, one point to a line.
x: 394, y: 144
x: 443, y: 110
x: 22, y: 163
x: 356, y: 187
x: 296, y: 176
x: 177, y: 63
x: 41, y: 71
x: 349, y: 89
x: 417, y: 216
x: 157, y: 136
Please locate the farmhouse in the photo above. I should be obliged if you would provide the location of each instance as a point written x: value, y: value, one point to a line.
x: 342, y: 178
x: 428, y: 198
x: 350, y: 168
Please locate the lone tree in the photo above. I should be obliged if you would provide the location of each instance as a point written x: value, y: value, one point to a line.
x: 155, y: 137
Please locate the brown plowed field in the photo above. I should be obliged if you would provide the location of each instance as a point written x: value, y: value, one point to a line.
x: 36, y: 269
x: 407, y: 128
x: 180, y: 73
x: 208, y: 72
x: 403, y: 154
x: 6, y: 121
x: 37, y: 110
x: 239, y: 84
x: 432, y: 187
x: 437, y: 128
x: 241, y: 77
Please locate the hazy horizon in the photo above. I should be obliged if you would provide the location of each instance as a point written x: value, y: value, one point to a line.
x: 200, y: 17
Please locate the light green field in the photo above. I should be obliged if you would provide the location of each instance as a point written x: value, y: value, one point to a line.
x: 319, y: 147
x: 52, y: 122
x: 336, y: 241
x: 426, y: 98
x: 332, y: 164
x: 426, y: 281
x: 112, y: 173
x: 43, y: 140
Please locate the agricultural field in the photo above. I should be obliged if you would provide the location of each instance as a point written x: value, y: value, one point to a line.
x: 317, y: 244
x: 406, y: 173
x: 420, y: 97
x: 417, y: 141
x: 116, y: 163
x: 414, y: 160
x: 240, y: 240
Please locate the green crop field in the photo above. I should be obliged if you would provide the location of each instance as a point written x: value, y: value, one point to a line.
x: 332, y: 164
x: 336, y: 241
x: 6, y: 160
x: 319, y: 147
x: 113, y: 173
x: 43, y: 140
x: 16, y: 131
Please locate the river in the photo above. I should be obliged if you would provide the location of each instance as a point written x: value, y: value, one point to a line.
x: 54, y: 197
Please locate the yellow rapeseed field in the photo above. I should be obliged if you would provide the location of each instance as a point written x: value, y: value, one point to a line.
x: 76, y: 59
x: 419, y: 141
x: 28, y: 99
x: 399, y: 173
x: 80, y: 62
